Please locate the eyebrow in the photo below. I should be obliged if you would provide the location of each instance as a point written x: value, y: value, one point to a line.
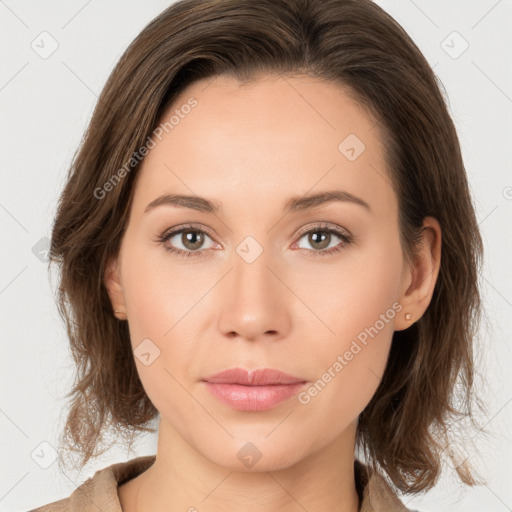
x: 294, y: 204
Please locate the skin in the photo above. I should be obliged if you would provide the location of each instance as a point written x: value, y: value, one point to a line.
x: 251, y: 147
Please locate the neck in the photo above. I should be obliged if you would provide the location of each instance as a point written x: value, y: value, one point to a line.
x: 183, y: 479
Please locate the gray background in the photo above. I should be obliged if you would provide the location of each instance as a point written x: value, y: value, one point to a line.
x: 46, y: 102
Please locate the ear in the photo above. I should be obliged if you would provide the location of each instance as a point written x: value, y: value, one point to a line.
x: 419, y: 278
x: 114, y: 287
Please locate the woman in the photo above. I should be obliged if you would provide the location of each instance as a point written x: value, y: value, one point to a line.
x: 267, y: 241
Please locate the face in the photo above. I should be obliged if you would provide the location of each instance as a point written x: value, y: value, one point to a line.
x: 260, y: 276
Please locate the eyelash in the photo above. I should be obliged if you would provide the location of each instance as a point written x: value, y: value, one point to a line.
x: 345, y: 237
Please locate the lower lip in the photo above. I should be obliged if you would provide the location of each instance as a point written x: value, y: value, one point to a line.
x: 253, y: 398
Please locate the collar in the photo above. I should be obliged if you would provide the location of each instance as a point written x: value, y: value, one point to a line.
x: 100, y: 491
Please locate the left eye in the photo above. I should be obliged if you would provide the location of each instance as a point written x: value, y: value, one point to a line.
x: 321, y: 239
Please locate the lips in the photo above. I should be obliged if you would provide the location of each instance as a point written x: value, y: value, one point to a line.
x: 262, y: 377
x: 254, y: 391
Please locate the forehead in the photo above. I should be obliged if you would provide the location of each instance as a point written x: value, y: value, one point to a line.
x: 266, y: 140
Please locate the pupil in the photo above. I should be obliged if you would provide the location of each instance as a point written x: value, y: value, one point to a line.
x: 324, y: 239
x: 193, y: 239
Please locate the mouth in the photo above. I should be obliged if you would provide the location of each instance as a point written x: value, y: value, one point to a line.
x: 257, y: 390
x: 262, y: 377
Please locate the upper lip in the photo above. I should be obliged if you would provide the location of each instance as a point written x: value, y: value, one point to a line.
x: 261, y: 377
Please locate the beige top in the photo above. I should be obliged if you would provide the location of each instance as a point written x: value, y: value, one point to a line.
x: 99, y: 493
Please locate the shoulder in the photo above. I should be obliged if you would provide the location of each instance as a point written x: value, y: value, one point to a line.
x: 100, y: 491
x: 375, y: 493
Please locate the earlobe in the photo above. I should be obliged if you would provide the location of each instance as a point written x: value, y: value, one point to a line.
x: 421, y: 275
x: 112, y: 281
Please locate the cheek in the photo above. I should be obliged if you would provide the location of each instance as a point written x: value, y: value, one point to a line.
x: 164, y: 307
x: 159, y: 294
x: 357, y: 300
x: 351, y: 293
x: 159, y: 306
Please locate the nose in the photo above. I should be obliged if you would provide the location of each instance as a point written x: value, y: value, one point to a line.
x: 255, y: 302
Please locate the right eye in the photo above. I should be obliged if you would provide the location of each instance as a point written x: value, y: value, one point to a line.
x: 190, y: 238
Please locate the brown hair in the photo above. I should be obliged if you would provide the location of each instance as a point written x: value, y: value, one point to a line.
x: 354, y: 43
